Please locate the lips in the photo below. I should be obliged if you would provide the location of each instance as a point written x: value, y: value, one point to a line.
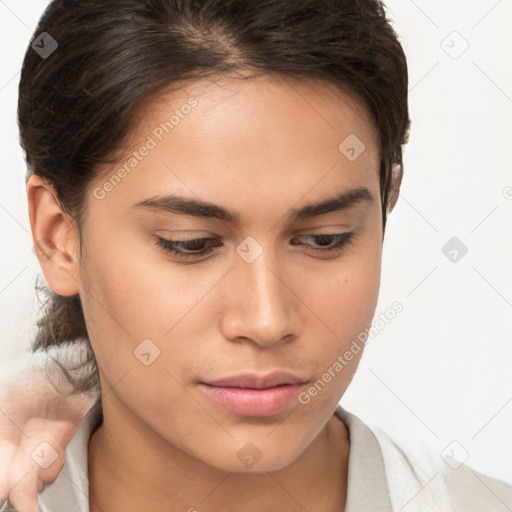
x: 254, y: 381
x: 255, y: 395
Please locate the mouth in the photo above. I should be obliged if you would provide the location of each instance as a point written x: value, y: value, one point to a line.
x: 255, y: 395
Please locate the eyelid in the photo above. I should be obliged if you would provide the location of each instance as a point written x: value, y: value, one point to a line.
x: 336, y: 229
x: 190, y: 234
x: 340, y: 240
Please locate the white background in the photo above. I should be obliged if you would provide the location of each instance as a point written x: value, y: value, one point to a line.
x: 441, y: 370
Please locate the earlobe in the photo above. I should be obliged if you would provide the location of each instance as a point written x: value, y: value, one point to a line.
x: 396, y: 181
x: 54, y: 236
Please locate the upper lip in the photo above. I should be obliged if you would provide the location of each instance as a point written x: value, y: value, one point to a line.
x: 255, y: 381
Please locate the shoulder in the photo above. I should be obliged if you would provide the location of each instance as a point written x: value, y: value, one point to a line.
x: 420, y: 477
x: 472, y: 491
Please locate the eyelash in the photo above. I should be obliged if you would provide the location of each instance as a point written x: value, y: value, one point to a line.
x: 342, y: 240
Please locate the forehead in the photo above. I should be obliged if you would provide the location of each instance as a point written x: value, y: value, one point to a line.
x: 229, y: 140
x: 244, y: 100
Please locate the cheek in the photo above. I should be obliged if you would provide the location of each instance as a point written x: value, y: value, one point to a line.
x: 133, y: 286
x: 342, y: 302
x: 134, y: 296
x: 344, y: 297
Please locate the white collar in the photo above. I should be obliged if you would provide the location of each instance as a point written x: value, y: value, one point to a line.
x: 367, y: 487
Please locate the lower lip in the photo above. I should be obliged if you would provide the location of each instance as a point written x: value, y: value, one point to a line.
x: 254, y: 402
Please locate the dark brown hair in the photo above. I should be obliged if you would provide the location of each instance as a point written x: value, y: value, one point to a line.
x: 78, y: 104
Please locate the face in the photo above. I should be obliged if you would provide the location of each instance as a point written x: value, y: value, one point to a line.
x: 205, y: 259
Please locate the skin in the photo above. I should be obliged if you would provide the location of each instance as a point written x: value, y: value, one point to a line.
x: 34, y: 411
x: 260, y: 147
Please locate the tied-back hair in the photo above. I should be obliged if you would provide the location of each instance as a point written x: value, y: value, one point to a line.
x: 78, y: 105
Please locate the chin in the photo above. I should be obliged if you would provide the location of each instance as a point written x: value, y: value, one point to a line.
x: 254, y: 457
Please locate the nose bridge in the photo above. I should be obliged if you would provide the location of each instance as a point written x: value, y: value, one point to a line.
x: 261, y: 305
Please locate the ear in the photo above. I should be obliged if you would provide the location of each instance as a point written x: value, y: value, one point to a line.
x: 397, y: 172
x: 55, y: 238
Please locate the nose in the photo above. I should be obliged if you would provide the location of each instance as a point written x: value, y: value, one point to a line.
x: 259, y: 305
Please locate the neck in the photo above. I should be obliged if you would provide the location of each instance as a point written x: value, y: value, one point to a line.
x: 132, y: 469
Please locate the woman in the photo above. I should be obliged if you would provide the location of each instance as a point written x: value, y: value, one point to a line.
x: 208, y: 190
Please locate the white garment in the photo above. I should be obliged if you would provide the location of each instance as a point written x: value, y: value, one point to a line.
x: 381, y: 477
x: 425, y: 483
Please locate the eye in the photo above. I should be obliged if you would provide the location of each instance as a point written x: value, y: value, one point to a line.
x: 196, y: 248
x: 192, y: 248
x: 327, y: 243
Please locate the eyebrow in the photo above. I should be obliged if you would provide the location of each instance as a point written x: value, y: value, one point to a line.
x: 186, y: 206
